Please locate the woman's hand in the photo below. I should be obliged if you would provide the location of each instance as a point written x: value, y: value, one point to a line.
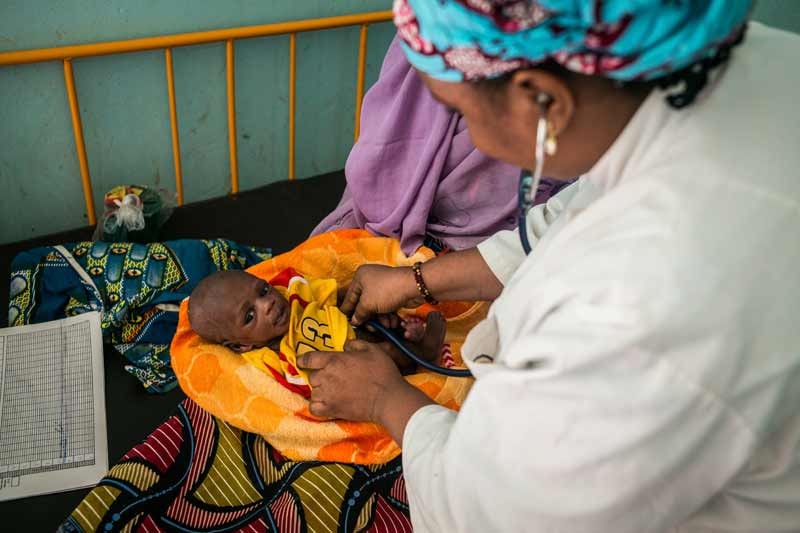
x: 378, y: 290
x: 361, y: 384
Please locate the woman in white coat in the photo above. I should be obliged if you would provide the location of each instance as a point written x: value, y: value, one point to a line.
x: 639, y: 370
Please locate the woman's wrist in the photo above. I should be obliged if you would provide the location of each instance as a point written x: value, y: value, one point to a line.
x: 422, y: 287
x: 397, y: 406
x: 411, y: 292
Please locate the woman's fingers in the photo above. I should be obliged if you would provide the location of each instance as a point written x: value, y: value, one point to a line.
x: 351, y: 384
x: 351, y: 298
x: 374, y: 290
x: 318, y: 408
x: 315, y: 360
x: 361, y: 314
x: 314, y: 378
x: 356, y: 345
x: 354, y: 305
x: 390, y: 320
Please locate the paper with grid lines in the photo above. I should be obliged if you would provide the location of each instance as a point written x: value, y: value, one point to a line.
x: 52, y: 407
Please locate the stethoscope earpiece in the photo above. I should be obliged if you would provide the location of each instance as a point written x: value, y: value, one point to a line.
x: 529, y: 183
x: 544, y: 99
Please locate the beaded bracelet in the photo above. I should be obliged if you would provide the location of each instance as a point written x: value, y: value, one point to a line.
x: 421, y: 287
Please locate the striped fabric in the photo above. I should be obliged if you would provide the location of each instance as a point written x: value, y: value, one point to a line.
x: 197, y: 473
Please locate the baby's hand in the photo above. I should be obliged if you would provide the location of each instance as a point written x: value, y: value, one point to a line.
x: 413, y: 328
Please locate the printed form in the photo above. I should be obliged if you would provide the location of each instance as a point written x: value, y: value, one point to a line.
x: 52, y: 407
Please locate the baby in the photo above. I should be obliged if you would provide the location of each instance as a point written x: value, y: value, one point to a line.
x: 290, y: 316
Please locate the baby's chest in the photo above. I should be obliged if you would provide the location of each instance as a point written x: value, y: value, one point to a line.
x: 315, y: 329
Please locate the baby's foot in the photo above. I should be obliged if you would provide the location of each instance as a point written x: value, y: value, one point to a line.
x: 433, y: 339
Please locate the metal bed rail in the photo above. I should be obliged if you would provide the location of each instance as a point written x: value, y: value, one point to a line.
x: 67, y: 54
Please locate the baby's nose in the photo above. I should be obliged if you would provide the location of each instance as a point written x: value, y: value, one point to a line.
x: 267, y: 305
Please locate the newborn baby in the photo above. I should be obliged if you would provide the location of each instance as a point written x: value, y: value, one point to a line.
x: 271, y: 324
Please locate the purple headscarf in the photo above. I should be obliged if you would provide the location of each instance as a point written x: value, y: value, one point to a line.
x: 414, y: 171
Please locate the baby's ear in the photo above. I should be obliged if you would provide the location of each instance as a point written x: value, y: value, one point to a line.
x: 236, y: 347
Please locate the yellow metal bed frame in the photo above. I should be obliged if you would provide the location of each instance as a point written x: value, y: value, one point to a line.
x: 167, y: 43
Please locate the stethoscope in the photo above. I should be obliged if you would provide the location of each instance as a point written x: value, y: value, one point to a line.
x: 397, y: 341
x: 528, y: 184
x: 526, y: 192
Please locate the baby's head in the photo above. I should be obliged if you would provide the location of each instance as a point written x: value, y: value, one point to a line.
x: 238, y: 310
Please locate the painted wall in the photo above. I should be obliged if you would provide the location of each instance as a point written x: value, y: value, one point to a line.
x: 783, y: 14
x: 125, y: 109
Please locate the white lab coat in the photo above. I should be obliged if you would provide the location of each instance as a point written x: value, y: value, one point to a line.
x: 647, y: 352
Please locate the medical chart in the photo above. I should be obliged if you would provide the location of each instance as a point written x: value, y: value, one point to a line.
x: 52, y: 407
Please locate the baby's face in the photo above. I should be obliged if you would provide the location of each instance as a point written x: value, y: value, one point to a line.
x: 253, y: 314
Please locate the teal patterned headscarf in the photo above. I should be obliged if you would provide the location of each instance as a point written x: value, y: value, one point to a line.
x: 627, y: 40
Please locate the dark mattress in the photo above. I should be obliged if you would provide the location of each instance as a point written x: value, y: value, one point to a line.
x: 280, y: 216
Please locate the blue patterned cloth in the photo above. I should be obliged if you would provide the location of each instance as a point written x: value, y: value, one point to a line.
x: 134, y: 286
x: 457, y: 40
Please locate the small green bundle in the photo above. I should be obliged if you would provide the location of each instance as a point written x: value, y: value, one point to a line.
x: 134, y: 213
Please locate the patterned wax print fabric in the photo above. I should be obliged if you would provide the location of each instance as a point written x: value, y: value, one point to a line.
x: 136, y: 287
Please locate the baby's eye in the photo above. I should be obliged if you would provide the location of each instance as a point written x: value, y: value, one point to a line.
x: 249, y: 316
x: 265, y: 290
